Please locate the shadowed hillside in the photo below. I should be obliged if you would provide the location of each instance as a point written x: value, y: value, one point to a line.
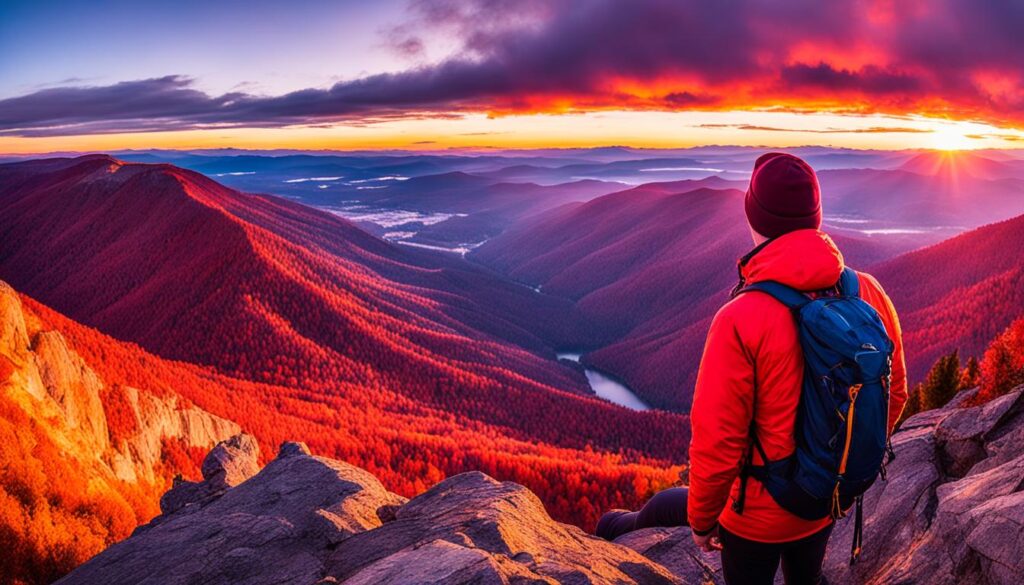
x: 957, y: 294
x: 648, y: 267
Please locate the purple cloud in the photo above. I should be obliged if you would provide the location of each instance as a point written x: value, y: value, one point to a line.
x: 953, y: 58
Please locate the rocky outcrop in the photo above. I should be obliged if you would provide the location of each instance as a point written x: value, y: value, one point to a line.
x: 304, y: 519
x: 952, y: 507
x: 156, y: 419
x: 279, y: 526
x: 480, y: 530
x: 55, y: 386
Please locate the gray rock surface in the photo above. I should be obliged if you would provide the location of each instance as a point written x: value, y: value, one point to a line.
x: 232, y: 461
x: 493, y: 531
x: 305, y: 519
x: 673, y: 548
x: 951, y: 509
x: 276, y: 527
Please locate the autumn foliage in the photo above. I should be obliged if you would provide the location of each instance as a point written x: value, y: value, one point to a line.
x: 998, y: 372
x: 298, y: 326
x: 1002, y: 368
x: 52, y: 515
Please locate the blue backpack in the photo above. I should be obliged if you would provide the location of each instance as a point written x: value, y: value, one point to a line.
x: 841, y: 428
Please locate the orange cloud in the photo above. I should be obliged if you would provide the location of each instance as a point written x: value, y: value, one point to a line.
x: 952, y: 59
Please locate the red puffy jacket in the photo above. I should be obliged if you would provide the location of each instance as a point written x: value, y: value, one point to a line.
x: 753, y: 343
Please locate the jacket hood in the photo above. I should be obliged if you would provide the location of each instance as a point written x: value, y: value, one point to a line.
x: 806, y: 260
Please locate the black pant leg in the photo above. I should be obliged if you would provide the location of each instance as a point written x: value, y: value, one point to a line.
x: 665, y: 508
x: 747, y: 562
x: 615, y: 523
x: 802, y: 559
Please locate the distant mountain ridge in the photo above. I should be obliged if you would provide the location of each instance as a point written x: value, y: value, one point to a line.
x: 957, y: 294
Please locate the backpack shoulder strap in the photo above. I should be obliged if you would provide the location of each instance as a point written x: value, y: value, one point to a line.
x: 849, y: 283
x: 790, y: 297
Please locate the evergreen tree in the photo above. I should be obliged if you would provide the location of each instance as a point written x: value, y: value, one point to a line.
x: 942, y: 383
x: 913, y: 405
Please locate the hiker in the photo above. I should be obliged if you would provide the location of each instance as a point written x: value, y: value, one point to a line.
x: 791, y: 452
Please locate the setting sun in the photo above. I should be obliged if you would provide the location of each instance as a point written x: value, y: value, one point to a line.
x: 951, y: 139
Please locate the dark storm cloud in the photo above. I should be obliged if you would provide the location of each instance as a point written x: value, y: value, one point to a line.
x: 951, y: 58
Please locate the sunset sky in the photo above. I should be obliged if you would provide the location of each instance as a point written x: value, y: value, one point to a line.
x: 510, y: 73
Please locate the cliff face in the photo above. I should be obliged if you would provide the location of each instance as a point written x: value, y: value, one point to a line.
x: 950, y: 511
x: 52, y: 383
x: 82, y: 461
x: 157, y: 419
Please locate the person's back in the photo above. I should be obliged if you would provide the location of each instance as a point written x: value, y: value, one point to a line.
x: 750, y: 381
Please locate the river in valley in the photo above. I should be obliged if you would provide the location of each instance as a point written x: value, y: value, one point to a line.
x: 607, y: 388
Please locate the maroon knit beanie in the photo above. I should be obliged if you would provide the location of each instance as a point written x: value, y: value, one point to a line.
x: 783, y: 195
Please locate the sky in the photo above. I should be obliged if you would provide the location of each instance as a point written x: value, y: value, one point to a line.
x: 442, y: 74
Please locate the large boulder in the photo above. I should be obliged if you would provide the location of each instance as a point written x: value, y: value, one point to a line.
x: 949, y: 510
x: 493, y: 531
x: 228, y: 464
x: 232, y: 461
x: 276, y: 527
x: 962, y: 436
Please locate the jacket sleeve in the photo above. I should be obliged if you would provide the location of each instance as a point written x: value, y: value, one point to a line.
x: 876, y: 297
x: 720, y: 420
